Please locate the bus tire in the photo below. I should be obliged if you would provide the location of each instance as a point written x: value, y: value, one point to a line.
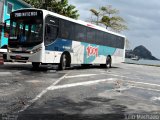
x: 63, y: 62
x: 35, y: 65
x: 109, y: 61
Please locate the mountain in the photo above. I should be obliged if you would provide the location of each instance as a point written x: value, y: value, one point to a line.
x: 140, y: 52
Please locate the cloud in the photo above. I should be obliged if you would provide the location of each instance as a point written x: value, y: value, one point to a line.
x: 142, y: 17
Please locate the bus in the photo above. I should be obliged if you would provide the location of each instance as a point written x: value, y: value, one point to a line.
x: 44, y: 37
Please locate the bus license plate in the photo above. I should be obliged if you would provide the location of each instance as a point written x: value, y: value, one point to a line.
x: 18, y: 57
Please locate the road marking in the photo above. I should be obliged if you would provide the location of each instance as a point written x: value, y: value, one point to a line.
x: 148, y: 89
x: 42, y: 93
x: 80, y: 84
x: 155, y: 98
x: 83, y: 75
x: 102, y: 73
x: 134, y: 82
x: 122, y: 76
x: 131, y: 81
x: 98, y: 81
x: 54, y: 87
x: 4, y: 84
x: 5, y: 73
x: 144, y: 83
x: 34, y: 81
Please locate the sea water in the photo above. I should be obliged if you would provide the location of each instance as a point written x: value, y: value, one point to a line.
x: 143, y: 61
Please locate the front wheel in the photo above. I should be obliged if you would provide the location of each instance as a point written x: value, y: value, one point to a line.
x: 63, y: 62
x: 35, y: 65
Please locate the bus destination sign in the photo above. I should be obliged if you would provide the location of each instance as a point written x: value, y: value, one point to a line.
x: 25, y: 14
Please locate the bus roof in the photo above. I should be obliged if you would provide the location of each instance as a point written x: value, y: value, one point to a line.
x: 46, y: 12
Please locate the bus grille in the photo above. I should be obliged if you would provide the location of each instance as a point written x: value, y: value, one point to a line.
x: 21, y: 58
x: 20, y: 51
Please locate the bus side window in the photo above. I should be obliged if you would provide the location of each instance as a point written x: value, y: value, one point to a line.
x: 51, y: 29
x: 51, y: 33
x: 48, y: 29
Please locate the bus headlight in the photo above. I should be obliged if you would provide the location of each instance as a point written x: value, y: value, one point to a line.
x: 8, y: 50
x: 31, y: 52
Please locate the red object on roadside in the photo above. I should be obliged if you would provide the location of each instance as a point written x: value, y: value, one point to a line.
x: 1, y: 59
x: 6, y: 35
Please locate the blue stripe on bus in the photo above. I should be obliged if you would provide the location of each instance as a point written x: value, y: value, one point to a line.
x: 60, y: 45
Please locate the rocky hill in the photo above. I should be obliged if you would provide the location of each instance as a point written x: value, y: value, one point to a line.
x: 140, y: 52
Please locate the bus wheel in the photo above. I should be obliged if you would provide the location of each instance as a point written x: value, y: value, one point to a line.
x: 109, y: 61
x: 35, y: 65
x: 63, y: 62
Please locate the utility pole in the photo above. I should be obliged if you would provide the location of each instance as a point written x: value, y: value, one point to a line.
x: 2, y: 3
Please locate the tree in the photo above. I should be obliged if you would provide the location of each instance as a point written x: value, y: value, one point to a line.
x: 34, y: 3
x: 97, y: 14
x: 108, y: 16
x: 61, y: 7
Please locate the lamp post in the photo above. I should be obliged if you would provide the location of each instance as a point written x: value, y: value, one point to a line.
x: 2, y: 3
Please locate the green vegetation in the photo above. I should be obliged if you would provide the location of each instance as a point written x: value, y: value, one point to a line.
x: 61, y: 7
x: 108, y: 16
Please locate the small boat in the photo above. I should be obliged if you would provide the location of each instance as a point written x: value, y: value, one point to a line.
x: 135, y: 58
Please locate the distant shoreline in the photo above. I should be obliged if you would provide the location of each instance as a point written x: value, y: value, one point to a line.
x: 155, y: 63
x: 143, y: 64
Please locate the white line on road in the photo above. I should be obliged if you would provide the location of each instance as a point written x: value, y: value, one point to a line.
x: 121, y: 76
x: 131, y: 81
x: 83, y: 75
x: 54, y: 87
x: 144, y: 83
x: 149, y: 89
x: 42, y: 93
x: 5, y: 73
x: 80, y: 84
x: 155, y: 98
x: 102, y: 80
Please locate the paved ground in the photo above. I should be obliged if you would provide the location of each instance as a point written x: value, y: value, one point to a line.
x: 79, y: 93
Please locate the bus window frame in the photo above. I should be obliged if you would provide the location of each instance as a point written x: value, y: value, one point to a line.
x: 45, y: 29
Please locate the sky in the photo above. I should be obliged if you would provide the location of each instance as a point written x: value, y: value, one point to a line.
x: 142, y: 18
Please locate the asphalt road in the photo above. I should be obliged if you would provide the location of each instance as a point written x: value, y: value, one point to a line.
x: 79, y: 93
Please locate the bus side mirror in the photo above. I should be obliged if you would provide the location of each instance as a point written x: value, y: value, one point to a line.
x: 4, y: 25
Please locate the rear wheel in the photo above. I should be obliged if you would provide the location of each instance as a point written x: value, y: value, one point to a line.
x: 35, y: 65
x: 63, y: 62
x: 109, y: 61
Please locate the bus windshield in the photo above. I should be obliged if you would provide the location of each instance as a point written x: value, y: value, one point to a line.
x: 25, y: 32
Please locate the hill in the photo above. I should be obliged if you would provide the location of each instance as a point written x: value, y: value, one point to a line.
x: 141, y: 52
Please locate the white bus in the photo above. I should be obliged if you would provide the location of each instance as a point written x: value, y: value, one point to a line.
x: 43, y: 37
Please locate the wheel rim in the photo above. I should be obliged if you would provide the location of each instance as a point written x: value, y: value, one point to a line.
x: 63, y: 62
x: 108, y: 61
